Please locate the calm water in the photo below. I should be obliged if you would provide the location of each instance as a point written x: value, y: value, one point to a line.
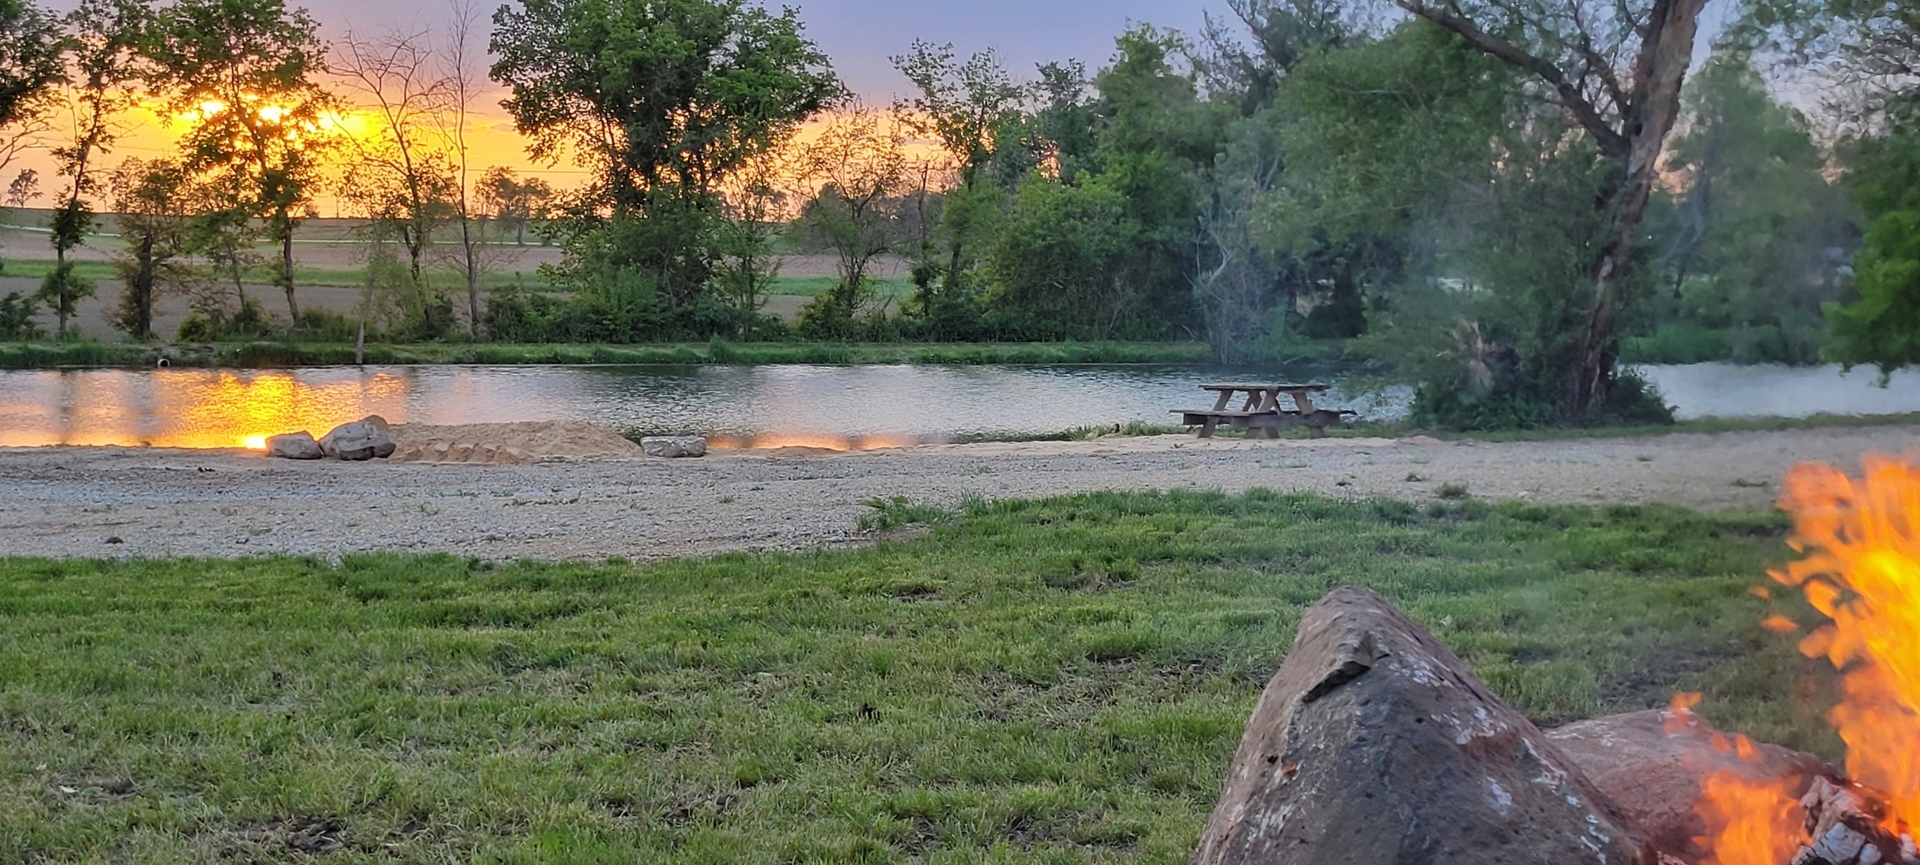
x: 763, y: 406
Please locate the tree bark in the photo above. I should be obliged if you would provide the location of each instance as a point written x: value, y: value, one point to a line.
x: 1665, y: 55
x: 286, y: 268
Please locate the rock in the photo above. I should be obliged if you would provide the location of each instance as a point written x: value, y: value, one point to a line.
x: 363, y: 439
x: 294, y: 446
x: 1374, y: 744
x: 1652, y: 763
x: 674, y: 446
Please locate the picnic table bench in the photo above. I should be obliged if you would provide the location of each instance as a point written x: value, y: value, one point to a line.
x: 1261, y: 409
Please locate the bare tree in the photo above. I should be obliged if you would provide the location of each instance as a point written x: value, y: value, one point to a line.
x: 463, y: 72
x: 1616, y: 68
x: 859, y: 163
x: 400, y: 177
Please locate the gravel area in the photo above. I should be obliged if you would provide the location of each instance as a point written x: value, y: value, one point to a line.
x: 119, y: 502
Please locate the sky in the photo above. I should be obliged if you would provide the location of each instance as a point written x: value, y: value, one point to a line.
x: 859, y: 36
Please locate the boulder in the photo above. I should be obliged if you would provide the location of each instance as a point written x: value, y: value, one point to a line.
x: 1652, y: 763
x: 674, y: 446
x: 364, y: 439
x: 1374, y: 744
x: 294, y: 446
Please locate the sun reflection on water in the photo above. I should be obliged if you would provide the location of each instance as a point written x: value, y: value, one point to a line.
x: 199, y: 409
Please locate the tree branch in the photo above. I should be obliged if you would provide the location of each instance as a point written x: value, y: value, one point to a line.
x: 1611, y: 141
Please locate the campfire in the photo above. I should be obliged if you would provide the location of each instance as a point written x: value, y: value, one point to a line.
x: 1861, y: 572
x: 1374, y: 743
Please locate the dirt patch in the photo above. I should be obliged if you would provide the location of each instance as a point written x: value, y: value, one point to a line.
x: 510, y: 443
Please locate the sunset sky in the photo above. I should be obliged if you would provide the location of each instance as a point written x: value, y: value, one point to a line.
x: 859, y: 35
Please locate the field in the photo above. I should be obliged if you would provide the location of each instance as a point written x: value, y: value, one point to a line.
x: 1054, y: 681
x: 330, y: 275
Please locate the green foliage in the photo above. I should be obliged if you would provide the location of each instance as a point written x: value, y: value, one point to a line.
x: 31, y: 42
x: 1883, y: 326
x: 246, y: 56
x: 694, y: 91
x: 62, y: 290
x: 1067, y: 679
x: 1751, y: 236
x: 1060, y: 258
x: 16, y: 317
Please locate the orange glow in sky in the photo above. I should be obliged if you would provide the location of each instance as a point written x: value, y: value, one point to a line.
x: 149, y: 131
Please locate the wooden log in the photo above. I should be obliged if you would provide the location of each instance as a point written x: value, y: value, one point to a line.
x: 1845, y: 825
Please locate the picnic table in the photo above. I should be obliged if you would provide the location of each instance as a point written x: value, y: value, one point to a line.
x: 1261, y: 409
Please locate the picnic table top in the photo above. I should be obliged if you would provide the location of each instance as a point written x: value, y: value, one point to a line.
x: 1269, y: 386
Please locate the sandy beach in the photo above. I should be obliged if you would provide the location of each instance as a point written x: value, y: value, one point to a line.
x: 121, y: 502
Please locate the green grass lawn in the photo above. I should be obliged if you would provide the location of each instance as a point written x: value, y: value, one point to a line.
x: 1061, y: 681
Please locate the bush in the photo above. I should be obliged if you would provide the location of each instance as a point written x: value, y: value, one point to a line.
x: 325, y: 325
x: 16, y: 317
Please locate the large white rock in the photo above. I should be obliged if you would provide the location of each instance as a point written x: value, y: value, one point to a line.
x: 364, y: 439
x: 674, y: 446
x: 295, y: 446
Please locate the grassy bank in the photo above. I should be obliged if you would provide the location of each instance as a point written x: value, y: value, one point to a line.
x: 51, y: 355
x: 1061, y: 681
x: 107, y: 275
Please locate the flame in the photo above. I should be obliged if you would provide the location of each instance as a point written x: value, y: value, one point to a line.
x: 1861, y: 570
x: 1750, y: 823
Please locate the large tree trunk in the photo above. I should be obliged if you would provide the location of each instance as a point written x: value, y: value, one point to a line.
x: 286, y: 268
x: 1647, y: 103
x: 1662, y: 68
x: 472, y: 274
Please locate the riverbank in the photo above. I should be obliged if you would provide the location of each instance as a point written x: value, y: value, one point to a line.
x: 1061, y: 681
x: 282, y: 355
x: 149, y: 502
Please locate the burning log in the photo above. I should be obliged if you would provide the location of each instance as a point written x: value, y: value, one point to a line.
x: 1848, y: 825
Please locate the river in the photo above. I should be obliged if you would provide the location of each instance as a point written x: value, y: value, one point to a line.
x: 832, y: 406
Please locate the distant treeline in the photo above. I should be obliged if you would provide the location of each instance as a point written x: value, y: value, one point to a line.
x: 1498, y: 199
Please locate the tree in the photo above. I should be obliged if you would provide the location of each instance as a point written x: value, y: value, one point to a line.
x: 665, y: 101
x: 461, y: 56
x: 513, y: 201
x: 1157, y: 137
x: 30, y: 73
x: 1061, y: 259
x: 1279, y: 34
x: 967, y: 107
x: 1615, y: 67
x: 104, y: 65
x: 245, y: 71
x: 752, y: 218
x: 153, y: 201
x: 403, y: 176
x: 860, y: 164
x: 1883, y: 326
x: 1871, y: 50
x: 24, y: 188
x: 1867, y: 50
x: 1756, y: 224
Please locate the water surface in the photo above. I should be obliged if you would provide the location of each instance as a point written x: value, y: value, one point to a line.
x: 834, y: 406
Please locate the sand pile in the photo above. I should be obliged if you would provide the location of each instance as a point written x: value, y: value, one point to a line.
x: 502, y: 443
